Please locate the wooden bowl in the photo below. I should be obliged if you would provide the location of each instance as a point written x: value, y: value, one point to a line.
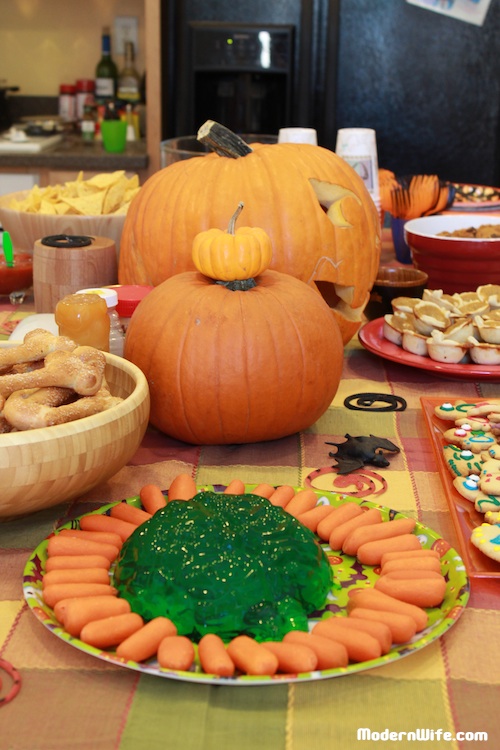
x: 26, y: 228
x: 50, y: 465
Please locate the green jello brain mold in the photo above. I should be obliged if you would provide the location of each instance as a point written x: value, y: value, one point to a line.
x: 225, y: 564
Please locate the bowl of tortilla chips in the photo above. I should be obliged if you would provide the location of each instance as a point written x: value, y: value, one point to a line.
x: 93, y: 207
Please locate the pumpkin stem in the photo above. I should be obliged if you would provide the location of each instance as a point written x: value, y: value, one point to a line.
x: 239, y: 285
x: 234, y: 217
x: 222, y: 140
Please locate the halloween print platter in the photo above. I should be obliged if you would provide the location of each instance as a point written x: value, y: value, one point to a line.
x: 463, y: 513
x: 372, y: 337
x: 348, y: 573
x: 475, y: 198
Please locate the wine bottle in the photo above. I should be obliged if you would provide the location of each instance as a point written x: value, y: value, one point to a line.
x: 129, y: 82
x: 106, y: 73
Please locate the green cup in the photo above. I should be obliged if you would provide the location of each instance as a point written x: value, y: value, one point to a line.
x: 114, y: 135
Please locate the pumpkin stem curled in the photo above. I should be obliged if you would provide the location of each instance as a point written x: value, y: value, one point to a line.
x: 222, y: 140
x: 238, y: 285
x: 234, y: 218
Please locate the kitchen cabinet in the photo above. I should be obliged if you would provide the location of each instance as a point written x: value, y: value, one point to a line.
x: 11, y: 182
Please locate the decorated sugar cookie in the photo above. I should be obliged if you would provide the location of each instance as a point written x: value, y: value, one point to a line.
x: 487, y: 539
x: 465, y: 437
x: 492, y: 516
x: 451, y: 412
x: 493, y: 452
x: 462, y: 462
x: 469, y: 488
x: 490, y: 477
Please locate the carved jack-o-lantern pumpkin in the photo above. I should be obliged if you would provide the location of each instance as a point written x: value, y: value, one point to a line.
x: 323, y: 224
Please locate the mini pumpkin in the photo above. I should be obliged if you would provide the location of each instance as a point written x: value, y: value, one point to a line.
x: 235, y: 361
x: 323, y: 223
x: 231, y: 255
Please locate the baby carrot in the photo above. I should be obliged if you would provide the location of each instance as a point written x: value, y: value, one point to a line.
x: 293, y: 658
x: 282, y: 495
x: 263, y: 490
x: 402, y: 627
x: 331, y: 654
x: 68, y: 545
x: 102, y: 522
x: 338, y: 516
x: 183, y: 487
x: 401, y: 555
x: 424, y: 592
x: 176, y: 652
x: 110, y: 631
x: 311, y: 518
x: 76, y: 575
x: 144, y: 643
x: 375, y: 599
x: 364, y: 534
x: 340, y: 533
x: 411, y: 563
x: 104, y: 537
x: 152, y: 498
x: 378, y: 630
x: 371, y: 553
x: 75, y: 613
x: 360, y: 646
x: 57, y: 591
x: 411, y: 575
x: 129, y: 513
x: 67, y: 562
x: 301, y: 502
x: 235, y: 487
x: 251, y: 657
x: 213, y: 656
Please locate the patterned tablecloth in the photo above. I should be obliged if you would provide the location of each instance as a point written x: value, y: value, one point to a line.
x: 69, y: 699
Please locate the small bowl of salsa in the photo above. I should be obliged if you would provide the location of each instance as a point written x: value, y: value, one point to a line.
x: 17, y: 277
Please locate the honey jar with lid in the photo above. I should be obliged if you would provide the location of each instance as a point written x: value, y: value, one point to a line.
x: 84, y: 319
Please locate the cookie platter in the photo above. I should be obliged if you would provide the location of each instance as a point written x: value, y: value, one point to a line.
x: 348, y: 574
x: 464, y: 514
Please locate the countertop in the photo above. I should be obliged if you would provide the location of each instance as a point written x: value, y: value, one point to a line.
x: 73, y: 154
x: 69, y: 698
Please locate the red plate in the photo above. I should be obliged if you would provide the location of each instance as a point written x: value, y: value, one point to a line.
x: 372, y: 338
x: 465, y: 517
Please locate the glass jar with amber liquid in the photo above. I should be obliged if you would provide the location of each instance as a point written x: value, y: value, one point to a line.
x: 84, y: 319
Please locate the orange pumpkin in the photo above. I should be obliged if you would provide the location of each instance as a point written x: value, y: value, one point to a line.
x: 286, y: 189
x: 235, y: 362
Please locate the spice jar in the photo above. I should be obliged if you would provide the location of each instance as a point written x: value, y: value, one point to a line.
x: 84, y: 319
x: 85, y: 88
x: 67, y: 102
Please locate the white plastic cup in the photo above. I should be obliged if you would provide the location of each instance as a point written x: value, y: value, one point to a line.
x: 298, y: 135
x: 358, y: 147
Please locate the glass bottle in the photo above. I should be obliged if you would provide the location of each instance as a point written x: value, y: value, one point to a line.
x: 106, y: 73
x: 87, y: 124
x: 84, y: 319
x: 129, y: 81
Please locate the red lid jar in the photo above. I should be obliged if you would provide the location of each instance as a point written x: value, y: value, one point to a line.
x: 129, y: 296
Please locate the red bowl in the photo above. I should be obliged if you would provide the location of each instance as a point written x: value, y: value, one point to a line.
x: 454, y: 264
x: 18, y: 277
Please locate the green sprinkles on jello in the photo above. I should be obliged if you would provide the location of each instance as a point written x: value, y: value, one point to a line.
x: 225, y: 564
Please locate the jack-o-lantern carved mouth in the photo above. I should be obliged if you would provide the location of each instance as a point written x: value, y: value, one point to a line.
x: 338, y: 297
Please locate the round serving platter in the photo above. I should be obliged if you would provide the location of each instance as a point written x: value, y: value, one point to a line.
x: 348, y: 574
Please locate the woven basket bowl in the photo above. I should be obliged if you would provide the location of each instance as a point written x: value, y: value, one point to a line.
x: 26, y: 228
x: 46, y: 466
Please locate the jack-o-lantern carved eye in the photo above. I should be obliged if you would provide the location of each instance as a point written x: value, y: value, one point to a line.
x: 336, y: 251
